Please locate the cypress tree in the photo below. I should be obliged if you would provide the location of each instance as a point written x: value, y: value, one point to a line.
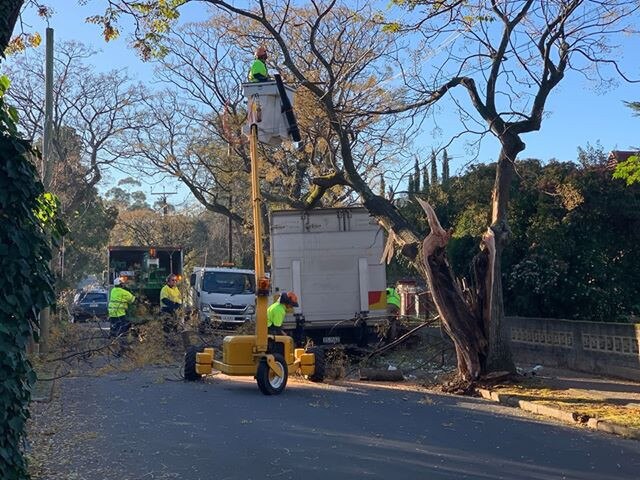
x: 434, y: 168
x: 416, y: 176
x: 445, y: 167
x: 425, y: 179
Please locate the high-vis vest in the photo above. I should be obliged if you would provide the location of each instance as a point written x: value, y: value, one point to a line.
x: 119, y: 300
x: 275, y: 315
x: 392, y: 297
x: 172, y: 293
x: 258, y: 71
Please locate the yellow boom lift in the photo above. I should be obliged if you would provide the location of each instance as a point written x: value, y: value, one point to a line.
x: 268, y: 358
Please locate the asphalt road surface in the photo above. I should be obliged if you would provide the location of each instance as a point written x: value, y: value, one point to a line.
x: 148, y: 425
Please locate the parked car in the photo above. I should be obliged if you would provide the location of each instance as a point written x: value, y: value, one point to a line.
x: 89, y: 304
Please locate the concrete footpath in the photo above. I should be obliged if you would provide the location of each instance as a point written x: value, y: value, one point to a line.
x: 604, y: 404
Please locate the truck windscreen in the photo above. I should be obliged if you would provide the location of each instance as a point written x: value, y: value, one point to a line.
x: 228, y: 282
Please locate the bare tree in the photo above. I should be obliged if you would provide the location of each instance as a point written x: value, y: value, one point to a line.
x: 91, y: 113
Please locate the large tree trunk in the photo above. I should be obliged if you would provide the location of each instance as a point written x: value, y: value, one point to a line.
x: 9, y: 11
x: 475, y: 324
x: 499, y: 351
x: 458, y: 319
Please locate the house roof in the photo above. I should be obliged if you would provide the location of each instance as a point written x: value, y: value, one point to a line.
x: 619, y: 156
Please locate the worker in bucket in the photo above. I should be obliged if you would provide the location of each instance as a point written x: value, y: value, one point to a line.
x: 278, y: 310
x: 258, y: 71
x: 119, y: 300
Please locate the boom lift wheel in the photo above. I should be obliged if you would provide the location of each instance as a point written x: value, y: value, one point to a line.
x: 268, y: 382
x: 319, y: 370
x: 190, y: 374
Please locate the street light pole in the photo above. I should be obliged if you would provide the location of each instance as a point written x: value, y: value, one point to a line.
x: 47, y: 165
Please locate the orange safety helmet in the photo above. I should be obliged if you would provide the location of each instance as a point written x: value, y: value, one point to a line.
x: 289, y: 298
x: 261, y: 52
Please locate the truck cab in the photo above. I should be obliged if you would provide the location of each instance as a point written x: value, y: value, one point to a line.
x: 223, y: 295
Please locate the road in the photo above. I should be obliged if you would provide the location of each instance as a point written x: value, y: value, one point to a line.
x: 149, y: 425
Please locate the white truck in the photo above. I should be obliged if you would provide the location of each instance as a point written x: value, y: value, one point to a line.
x: 331, y: 258
x: 223, y: 296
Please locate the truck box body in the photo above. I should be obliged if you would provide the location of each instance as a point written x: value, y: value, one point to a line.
x: 331, y: 259
x: 145, y: 268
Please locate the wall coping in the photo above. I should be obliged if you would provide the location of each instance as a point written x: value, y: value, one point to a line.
x: 550, y: 319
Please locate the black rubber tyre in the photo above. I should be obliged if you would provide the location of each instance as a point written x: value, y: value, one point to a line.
x: 190, y: 374
x: 268, y: 382
x: 319, y: 371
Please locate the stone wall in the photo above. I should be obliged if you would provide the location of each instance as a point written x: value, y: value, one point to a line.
x: 602, y: 348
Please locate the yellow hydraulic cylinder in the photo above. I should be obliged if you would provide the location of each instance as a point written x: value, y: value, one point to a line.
x: 261, y: 298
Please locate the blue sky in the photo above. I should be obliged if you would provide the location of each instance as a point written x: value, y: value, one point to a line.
x: 576, y: 113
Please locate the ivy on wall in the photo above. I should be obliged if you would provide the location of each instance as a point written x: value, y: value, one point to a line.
x: 27, y: 225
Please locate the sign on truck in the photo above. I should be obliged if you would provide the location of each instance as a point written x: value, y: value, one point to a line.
x: 331, y: 258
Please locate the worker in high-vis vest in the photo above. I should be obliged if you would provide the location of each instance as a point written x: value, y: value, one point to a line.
x: 258, y: 71
x: 170, y: 296
x: 170, y: 303
x: 119, y: 301
x: 393, y: 300
x: 278, y: 311
x: 393, y: 310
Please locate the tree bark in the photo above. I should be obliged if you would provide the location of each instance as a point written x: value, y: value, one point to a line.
x: 9, y: 12
x: 495, y: 240
x: 458, y: 319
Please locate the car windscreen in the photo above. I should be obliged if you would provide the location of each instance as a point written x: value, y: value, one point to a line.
x: 93, y: 297
x: 229, y: 282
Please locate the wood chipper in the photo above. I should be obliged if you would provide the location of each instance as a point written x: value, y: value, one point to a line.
x: 268, y: 358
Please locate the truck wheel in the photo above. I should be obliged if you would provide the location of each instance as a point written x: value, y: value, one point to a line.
x: 190, y: 374
x: 268, y: 382
x: 319, y: 370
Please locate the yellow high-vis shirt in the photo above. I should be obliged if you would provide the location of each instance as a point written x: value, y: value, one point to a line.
x: 171, y: 293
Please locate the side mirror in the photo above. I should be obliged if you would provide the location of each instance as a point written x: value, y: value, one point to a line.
x: 192, y: 280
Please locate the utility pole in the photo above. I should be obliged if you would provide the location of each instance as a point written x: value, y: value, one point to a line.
x: 230, y: 232
x: 163, y: 199
x: 47, y: 165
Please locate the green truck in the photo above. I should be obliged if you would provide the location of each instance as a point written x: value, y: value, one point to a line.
x: 144, y: 268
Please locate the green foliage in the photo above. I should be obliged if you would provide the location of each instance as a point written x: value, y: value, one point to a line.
x: 8, y: 114
x: 575, y: 232
x: 635, y: 106
x: 445, y: 168
x: 425, y: 179
x: 124, y: 198
x: 154, y: 18
x: 392, y: 27
x: 26, y: 284
x: 434, y: 168
x: 572, y: 254
x: 87, y: 240
x: 629, y: 170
